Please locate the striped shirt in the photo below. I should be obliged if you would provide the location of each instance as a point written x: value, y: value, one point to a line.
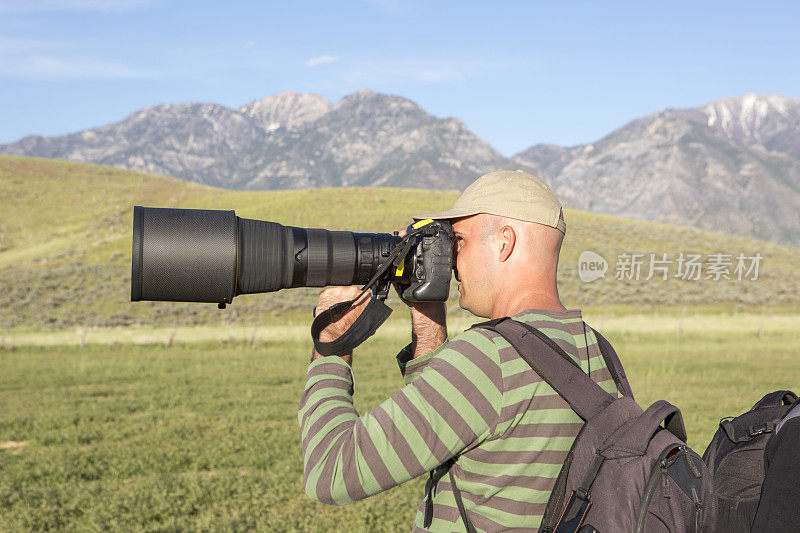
x: 473, y: 397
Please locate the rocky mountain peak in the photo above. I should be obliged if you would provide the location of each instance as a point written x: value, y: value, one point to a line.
x: 755, y: 119
x: 288, y: 110
x: 177, y: 110
x: 366, y: 101
x: 287, y: 140
x: 703, y: 167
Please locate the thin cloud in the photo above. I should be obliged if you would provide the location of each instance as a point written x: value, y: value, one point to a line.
x: 102, y: 6
x: 389, y: 5
x: 249, y: 44
x: 396, y: 7
x: 42, y: 67
x: 321, y: 60
x: 13, y: 45
x: 419, y: 71
x: 398, y: 75
x: 42, y: 60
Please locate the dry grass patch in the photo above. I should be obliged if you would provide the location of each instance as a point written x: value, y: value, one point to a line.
x: 11, y: 444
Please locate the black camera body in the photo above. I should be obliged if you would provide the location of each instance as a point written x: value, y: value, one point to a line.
x: 429, y: 263
x: 200, y: 255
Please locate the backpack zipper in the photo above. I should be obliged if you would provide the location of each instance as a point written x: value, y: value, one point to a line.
x: 692, y: 467
x: 698, y: 505
x: 655, y: 476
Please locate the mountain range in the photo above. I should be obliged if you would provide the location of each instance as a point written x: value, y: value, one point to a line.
x: 285, y: 141
x: 732, y: 165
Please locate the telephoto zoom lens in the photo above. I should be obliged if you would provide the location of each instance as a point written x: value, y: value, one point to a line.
x: 201, y: 255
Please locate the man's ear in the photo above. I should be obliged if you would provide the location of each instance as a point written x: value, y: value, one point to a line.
x: 508, y: 238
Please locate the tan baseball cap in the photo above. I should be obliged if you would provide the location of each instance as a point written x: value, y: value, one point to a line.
x: 507, y: 193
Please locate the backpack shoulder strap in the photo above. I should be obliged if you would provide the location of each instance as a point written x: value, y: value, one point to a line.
x: 793, y: 411
x: 614, y: 365
x: 778, y: 397
x: 583, y: 395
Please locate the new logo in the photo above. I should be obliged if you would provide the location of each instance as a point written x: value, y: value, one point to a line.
x: 591, y: 266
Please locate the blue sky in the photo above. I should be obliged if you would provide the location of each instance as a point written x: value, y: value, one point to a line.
x: 517, y: 73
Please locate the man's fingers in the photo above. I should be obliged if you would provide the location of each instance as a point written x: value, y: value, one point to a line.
x: 334, y: 295
x: 340, y: 293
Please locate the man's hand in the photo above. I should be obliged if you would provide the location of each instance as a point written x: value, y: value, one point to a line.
x: 327, y: 299
x: 428, y: 323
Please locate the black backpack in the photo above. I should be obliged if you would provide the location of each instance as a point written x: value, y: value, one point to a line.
x: 735, y: 458
x: 624, y: 471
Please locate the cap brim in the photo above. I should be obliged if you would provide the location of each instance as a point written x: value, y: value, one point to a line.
x: 452, y: 214
x: 448, y: 215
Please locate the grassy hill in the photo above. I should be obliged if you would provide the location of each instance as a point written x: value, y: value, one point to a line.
x: 65, y: 247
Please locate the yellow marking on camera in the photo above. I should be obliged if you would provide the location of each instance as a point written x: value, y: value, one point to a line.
x: 422, y: 223
x: 399, y: 270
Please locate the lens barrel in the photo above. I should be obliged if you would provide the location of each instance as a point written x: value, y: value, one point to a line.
x: 184, y: 255
x: 198, y: 255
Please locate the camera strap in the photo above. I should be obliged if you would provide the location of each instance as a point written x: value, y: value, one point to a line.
x: 371, y: 317
x: 363, y: 328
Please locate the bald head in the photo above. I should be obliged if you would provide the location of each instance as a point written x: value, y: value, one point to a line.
x: 516, y: 265
x: 543, y: 242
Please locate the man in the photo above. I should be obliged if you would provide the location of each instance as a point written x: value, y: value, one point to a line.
x: 472, y: 399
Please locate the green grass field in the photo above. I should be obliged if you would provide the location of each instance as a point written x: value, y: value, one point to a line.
x: 203, y: 436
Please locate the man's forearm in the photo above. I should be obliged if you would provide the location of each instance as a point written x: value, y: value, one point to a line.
x: 428, y: 327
